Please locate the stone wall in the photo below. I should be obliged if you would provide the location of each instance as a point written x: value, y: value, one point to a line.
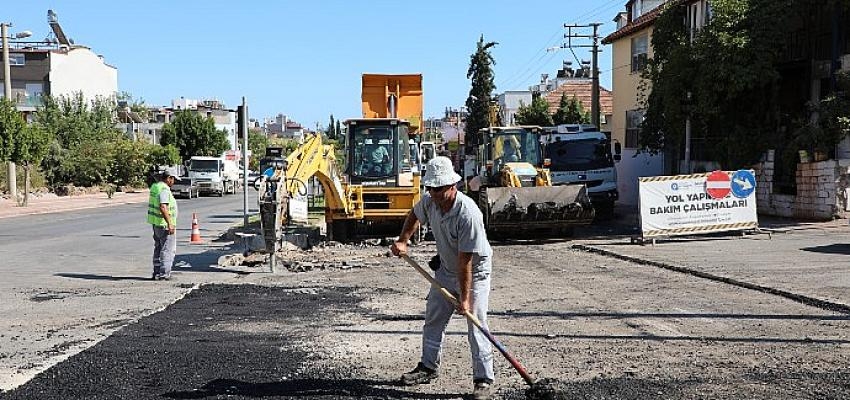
x: 823, y: 189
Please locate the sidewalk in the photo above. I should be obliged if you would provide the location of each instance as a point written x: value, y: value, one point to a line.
x: 50, y: 203
x: 808, y: 260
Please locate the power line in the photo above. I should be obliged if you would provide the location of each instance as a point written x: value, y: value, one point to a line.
x: 594, y: 69
x: 599, y: 10
x: 533, y: 66
x: 540, y: 54
x: 537, y: 69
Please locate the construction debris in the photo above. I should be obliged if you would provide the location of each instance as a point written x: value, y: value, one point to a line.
x: 322, y: 256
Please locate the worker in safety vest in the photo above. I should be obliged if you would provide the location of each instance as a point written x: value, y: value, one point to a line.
x: 162, y: 214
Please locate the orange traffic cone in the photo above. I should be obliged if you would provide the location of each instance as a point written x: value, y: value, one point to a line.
x: 196, y: 231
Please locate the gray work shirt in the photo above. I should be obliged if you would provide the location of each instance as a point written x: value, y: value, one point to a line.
x: 460, y: 229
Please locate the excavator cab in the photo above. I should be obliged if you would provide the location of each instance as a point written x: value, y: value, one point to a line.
x: 378, y: 152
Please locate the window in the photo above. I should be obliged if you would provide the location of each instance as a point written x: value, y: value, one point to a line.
x: 640, y: 46
x: 17, y: 59
x: 634, y: 118
x: 34, y: 91
x: 698, y: 16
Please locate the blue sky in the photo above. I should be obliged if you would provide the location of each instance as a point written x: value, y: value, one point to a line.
x: 304, y: 59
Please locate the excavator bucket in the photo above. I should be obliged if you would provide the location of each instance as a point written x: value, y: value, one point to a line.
x: 551, y: 209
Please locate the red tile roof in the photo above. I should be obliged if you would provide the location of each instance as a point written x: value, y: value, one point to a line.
x: 638, y: 24
x: 581, y: 89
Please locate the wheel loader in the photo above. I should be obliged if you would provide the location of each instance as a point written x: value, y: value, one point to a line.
x: 515, y: 196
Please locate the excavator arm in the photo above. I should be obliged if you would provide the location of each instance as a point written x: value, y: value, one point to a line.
x: 313, y: 158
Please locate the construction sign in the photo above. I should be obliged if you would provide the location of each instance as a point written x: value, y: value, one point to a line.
x: 697, y: 203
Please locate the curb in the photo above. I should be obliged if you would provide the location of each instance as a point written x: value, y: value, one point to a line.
x: 807, y: 300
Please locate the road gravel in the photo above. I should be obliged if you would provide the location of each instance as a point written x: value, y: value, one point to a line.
x: 603, y: 328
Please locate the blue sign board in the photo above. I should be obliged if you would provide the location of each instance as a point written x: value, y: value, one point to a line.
x: 743, y: 183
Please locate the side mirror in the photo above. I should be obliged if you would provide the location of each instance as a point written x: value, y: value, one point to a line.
x: 618, y: 150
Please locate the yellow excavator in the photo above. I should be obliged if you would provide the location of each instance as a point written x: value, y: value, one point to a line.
x: 514, y: 194
x: 371, y: 194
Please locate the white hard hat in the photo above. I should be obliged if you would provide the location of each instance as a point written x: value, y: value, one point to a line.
x: 172, y: 172
x: 440, y: 172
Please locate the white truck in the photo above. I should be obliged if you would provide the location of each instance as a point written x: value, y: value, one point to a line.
x: 582, y: 154
x: 216, y: 175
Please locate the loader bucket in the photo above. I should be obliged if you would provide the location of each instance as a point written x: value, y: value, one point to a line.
x: 541, y: 208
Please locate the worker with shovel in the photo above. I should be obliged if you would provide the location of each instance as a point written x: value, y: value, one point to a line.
x: 465, y: 268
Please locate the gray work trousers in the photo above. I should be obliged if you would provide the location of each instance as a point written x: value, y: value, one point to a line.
x: 164, y: 248
x: 438, y: 312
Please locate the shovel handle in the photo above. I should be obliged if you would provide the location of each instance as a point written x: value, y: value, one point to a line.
x: 452, y: 299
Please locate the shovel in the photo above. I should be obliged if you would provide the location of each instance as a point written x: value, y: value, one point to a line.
x: 451, y: 298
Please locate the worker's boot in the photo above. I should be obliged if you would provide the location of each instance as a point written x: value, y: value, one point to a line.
x: 481, y: 391
x: 421, y: 374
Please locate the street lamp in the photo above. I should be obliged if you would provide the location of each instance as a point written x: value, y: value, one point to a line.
x: 7, y: 92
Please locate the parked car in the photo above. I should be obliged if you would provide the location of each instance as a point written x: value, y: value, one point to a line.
x: 186, y: 188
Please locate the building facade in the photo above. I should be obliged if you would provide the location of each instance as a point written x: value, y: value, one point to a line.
x: 57, y: 67
x: 58, y: 72
x: 631, y: 49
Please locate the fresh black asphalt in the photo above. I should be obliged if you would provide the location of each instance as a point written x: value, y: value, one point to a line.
x: 249, y: 342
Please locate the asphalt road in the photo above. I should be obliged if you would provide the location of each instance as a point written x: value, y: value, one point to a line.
x: 96, y: 263
x: 602, y: 327
x: 597, y: 328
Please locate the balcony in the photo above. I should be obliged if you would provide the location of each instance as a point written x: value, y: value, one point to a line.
x: 24, y: 101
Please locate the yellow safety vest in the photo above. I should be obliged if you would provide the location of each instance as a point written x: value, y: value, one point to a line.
x: 154, y: 214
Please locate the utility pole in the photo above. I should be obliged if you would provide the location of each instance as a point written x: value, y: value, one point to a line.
x: 594, y: 91
x: 688, y: 134
x: 242, y: 118
x: 11, y: 178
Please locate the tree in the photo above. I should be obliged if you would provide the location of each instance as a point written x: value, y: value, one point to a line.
x: 570, y: 111
x: 731, y: 71
x: 163, y: 155
x: 331, y: 132
x: 137, y: 106
x: 194, y: 135
x: 30, y: 147
x: 480, y: 72
x: 257, y: 142
x: 11, y: 125
x: 537, y: 113
x: 73, y: 122
x: 130, y: 162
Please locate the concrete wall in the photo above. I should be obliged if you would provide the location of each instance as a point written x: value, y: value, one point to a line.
x: 823, y: 189
x: 630, y: 168
x: 81, y: 70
